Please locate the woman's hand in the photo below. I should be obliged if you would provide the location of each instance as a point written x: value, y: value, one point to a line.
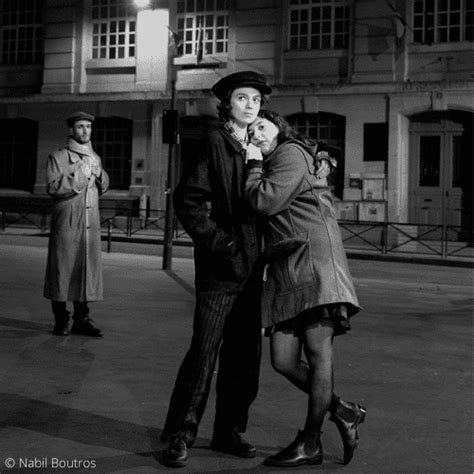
x: 323, y: 169
x: 253, y: 153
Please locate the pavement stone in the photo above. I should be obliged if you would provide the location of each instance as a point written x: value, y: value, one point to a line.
x: 101, y: 403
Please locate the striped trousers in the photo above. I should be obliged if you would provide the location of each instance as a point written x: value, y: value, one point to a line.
x: 228, y: 325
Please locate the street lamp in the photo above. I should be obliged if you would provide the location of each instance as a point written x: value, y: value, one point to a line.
x: 170, y: 117
x: 142, y: 3
x: 170, y: 126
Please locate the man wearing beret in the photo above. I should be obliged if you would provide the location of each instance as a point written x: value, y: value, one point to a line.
x: 210, y: 205
x: 75, y: 179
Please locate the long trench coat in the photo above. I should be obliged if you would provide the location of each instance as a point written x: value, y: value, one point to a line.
x: 74, y: 266
x: 307, y: 265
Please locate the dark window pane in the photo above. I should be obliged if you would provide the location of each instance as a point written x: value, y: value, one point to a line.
x: 429, y: 161
x: 375, y: 141
x: 113, y: 137
x: 18, y: 156
x: 457, y: 163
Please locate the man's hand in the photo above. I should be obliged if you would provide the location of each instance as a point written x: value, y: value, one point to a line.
x: 253, y: 153
x: 95, y: 169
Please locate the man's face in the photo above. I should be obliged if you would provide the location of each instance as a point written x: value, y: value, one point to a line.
x: 244, y: 105
x: 81, y: 131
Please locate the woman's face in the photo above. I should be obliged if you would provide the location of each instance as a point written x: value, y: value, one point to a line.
x: 264, y: 134
x: 245, y: 105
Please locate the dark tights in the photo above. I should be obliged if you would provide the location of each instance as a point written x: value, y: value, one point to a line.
x: 314, y: 377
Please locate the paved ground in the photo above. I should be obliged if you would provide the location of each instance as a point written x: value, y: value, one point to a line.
x: 102, y: 402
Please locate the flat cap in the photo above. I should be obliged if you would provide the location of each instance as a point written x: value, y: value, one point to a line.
x: 79, y: 116
x: 241, y: 79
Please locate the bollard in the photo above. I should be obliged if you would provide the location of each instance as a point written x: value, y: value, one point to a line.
x: 129, y: 222
x: 444, y: 240
x: 109, y: 235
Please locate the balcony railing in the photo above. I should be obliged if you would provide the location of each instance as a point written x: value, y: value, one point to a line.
x: 134, y: 225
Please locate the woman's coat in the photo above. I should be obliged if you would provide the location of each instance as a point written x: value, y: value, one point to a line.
x: 307, y: 265
x: 74, y: 267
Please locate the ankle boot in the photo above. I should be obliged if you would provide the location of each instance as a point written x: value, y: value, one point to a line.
x: 349, y: 430
x: 305, y: 449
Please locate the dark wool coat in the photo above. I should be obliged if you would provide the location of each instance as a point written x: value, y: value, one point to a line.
x: 210, y: 205
x: 307, y: 262
x: 74, y: 267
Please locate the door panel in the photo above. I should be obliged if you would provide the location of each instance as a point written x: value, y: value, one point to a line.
x: 454, y: 179
x: 436, y: 174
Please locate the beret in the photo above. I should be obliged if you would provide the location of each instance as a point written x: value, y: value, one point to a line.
x: 240, y: 79
x: 79, y: 116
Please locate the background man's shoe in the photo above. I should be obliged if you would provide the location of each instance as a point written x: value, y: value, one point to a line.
x: 61, y: 329
x: 233, y: 443
x: 177, y: 453
x: 85, y: 327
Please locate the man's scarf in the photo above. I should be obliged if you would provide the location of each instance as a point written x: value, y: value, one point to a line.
x: 87, y: 154
x: 232, y: 132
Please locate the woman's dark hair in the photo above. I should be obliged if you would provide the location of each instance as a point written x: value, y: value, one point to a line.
x: 287, y: 132
x: 223, y: 107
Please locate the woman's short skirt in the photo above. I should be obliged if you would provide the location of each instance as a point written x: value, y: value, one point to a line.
x: 337, y: 313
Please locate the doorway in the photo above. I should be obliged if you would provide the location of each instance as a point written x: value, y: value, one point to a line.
x: 436, y: 173
x: 441, y: 174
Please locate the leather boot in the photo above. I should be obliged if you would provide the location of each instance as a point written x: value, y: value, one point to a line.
x: 82, y: 323
x: 177, y: 453
x: 85, y: 327
x: 305, y: 449
x: 61, y: 318
x: 233, y: 443
x: 349, y: 430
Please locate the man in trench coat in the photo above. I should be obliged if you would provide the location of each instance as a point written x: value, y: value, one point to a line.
x: 75, y: 179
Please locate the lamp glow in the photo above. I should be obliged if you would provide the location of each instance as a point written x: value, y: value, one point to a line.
x: 142, y: 3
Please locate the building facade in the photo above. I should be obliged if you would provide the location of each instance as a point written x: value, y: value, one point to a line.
x: 389, y: 82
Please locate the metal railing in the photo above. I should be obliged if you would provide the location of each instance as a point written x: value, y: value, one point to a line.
x: 134, y: 225
x: 408, y: 238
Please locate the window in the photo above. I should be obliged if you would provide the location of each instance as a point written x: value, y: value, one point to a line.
x: 329, y: 128
x: 443, y: 21
x: 203, y: 26
x: 112, y: 140
x: 319, y: 24
x: 21, y: 31
x: 375, y: 141
x: 113, y: 29
x: 430, y: 160
x: 17, y: 155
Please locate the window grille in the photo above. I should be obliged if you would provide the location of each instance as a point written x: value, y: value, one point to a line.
x: 17, y: 155
x: 319, y: 24
x: 113, y: 29
x: 112, y: 141
x: 21, y: 26
x: 443, y: 21
x: 203, y: 26
x: 322, y: 126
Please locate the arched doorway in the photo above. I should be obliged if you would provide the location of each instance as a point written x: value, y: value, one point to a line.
x: 441, y: 155
x: 18, y: 155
